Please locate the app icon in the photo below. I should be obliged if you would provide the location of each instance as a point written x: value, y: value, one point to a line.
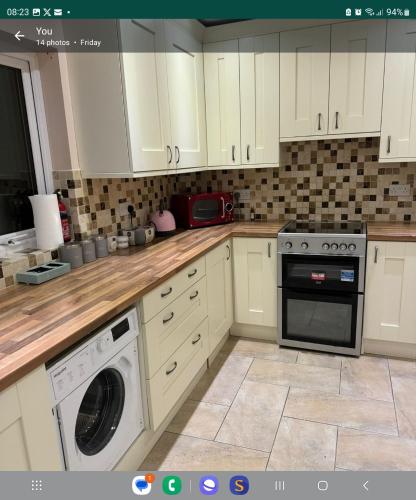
x: 142, y: 485
x: 208, y: 485
x: 172, y: 485
x: 239, y: 485
x: 348, y: 12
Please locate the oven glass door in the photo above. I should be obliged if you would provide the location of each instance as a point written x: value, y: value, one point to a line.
x: 319, y: 317
x: 319, y: 272
x: 207, y: 210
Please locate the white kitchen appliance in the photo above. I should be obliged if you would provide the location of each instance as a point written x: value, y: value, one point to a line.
x: 97, y: 396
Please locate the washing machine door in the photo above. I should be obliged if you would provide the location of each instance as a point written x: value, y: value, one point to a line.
x: 102, y: 417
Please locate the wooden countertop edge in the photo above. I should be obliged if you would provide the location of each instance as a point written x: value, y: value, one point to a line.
x: 43, y: 351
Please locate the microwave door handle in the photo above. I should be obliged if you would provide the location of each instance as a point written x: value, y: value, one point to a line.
x: 223, y: 208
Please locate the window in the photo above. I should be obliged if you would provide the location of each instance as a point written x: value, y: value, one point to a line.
x: 21, y: 168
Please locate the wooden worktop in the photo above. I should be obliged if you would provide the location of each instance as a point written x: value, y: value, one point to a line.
x: 39, y: 322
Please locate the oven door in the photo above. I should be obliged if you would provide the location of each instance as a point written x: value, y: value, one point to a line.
x: 321, y: 272
x: 326, y: 321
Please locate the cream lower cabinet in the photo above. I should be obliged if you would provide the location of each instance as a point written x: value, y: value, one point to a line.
x: 219, y: 293
x: 28, y: 436
x: 390, y: 294
x: 255, y: 281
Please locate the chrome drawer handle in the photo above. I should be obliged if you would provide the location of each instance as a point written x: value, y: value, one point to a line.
x: 192, y: 273
x: 319, y: 121
x: 388, y: 144
x: 194, y: 296
x: 168, y: 372
x: 177, y: 155
x: 165, y: 294
x: 170, y: 154
x: 269, y: 249
x: 197, y: 339
x: 172, y: 314
x: 375, y: 255
x: 233, y: 153
x: 336, y: 119
x: 228, y: 252
x: 248, y: 152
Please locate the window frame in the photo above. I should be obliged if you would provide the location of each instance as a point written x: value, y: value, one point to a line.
x: 32, y: 87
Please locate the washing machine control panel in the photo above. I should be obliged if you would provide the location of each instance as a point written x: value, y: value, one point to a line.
x: 70, y: 372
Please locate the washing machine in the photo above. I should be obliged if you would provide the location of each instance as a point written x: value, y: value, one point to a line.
x: 97, y: 396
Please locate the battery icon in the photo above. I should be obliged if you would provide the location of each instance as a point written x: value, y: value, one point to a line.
x: 407, y: 12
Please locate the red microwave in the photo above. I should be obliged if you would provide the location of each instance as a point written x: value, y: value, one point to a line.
x: 202, y: 210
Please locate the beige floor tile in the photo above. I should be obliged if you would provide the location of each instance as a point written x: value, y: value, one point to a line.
x: 360, y: 451
x: 345, y: 411
x: 221, y: 381
x: 184, y: 453
x: 240, y: 346
x: 366, y: 377
x: 295, y: 375
x: 404, y: 390
x: 302, y: 445
x: 254, y: 416
x: 315, y: 359
x: 198, y: 419
x: 402, y: 368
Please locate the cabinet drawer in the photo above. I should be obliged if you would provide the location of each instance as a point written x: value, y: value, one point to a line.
x: 153, y: 302
x: 171, y: 381
x: 171, y: 327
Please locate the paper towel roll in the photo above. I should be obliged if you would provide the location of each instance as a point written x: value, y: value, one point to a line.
x: 47, y: 221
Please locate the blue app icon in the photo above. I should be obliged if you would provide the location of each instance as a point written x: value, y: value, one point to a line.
x: 239, y: 485
x: 208, y: 485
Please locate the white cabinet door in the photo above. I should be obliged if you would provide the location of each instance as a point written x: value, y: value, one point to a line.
x: 186, y: 97
x: 389, y: 310
x: 259, y: 87
x: 255, y: 281
x: 304, y: 82
x: 222, y: 96
x: 398, y: 128
x: 147, y: 103
x: 357, y: 68
x: 219, y: 293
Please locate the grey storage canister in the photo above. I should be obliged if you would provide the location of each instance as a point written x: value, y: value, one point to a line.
x: 71, y: 253
x: 88, y: 251
x: 101, y: 248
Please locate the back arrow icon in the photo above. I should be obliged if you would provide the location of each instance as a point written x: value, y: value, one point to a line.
x: 365, y: 486
x: 18, y: 35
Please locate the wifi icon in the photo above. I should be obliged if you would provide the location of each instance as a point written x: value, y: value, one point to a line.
x: 369, y: 11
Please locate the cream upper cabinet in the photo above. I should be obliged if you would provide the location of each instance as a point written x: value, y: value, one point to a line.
x: 304, y: 82
x: 219, y: 293
x: 356, y: 77
x: 185, y: 68
x: 398, y: 126
x: 255, y: 281
x: 259, y: 95
x: 222, y: 95
x: 389, y: 310
x: 147, y: 101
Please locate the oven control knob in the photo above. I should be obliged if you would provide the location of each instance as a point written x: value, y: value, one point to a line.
x: 304, y: 245
x: 352, y: 247
x: 325, y: 246
x: 343, y: 247
x: 334, y: 246
x: 288, y: 245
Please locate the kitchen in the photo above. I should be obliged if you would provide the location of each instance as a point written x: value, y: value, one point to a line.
x: 269, y: 325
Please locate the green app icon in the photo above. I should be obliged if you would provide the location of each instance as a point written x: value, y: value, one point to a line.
x: 172, y: 485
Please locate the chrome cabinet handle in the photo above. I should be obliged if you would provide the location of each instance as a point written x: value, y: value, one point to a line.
x: 170, y: 154
x: 233, y: 153
x: 197, y: 339
x: 165, y: 294
x: 319, y: 121
x: 192, y: 273
x: 375, y: 255
x: 168, y: 372
x: 248, y: 152
x: 269, y: 249
x: 336, y: 119
x: 177, y: 155
x: 172, y: 314
x: 194, y: 296
x: 388, y: 143
x: 228, y: 252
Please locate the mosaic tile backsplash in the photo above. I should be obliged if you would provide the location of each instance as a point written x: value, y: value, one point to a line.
x: 321, y: 180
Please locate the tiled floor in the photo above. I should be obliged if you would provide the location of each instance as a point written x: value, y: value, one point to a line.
x: 261, y: 407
